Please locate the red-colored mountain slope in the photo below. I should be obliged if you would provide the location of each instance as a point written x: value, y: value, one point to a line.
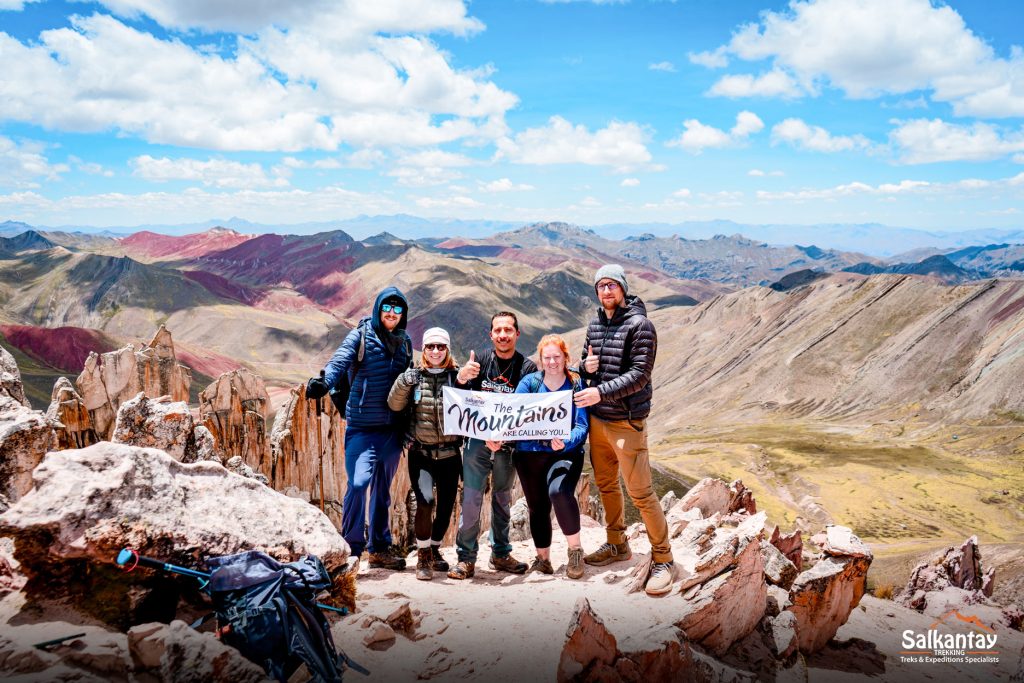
x: 65, y: 348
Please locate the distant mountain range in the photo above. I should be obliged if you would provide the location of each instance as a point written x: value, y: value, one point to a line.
x: 874, y: 239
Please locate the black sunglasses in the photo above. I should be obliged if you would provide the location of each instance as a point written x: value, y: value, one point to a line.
x: 435, y: 347
x: 388, y: 308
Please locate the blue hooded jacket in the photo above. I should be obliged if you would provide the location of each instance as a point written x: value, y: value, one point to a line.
x: 368, y: 401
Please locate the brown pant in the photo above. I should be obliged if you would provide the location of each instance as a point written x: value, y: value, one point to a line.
x: 618, y: 446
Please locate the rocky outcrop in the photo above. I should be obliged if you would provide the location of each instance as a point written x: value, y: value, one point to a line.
x: 658, y: 653
x: 714, y: 495
x: 157, y: 423
x: 165, y: 653
x: 10, y: 379
x: 110, y: 379
x: 234, y: 408
x: 143, y: 499
x: 791, y: 545
x: 70, y: 417
x: 778, y: 570
x: 823, y: 596
x: 295, y: 452
x: 956, y: 567
x: 955, y: 581
x: 722, y: 610
x: 25, y: 437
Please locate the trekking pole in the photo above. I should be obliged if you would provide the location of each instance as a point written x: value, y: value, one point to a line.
x: 320, y: 444
x: 127, y: 555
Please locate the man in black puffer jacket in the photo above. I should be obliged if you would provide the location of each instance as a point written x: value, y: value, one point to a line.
x: 618, y: 360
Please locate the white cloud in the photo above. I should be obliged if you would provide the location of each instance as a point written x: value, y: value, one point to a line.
x: 196, y: 204
x: 365, y: 158
x: 424, y: 176
x: 965, y: 186
x: 797, y: 133
x: 15, y: 5
x: 505, y: 185
x: 435, y: 158
x: 429, y: 167
x: 698, y: 136
x: 23, y: 164
x: 620, y: 145
x: 775, y: 83
x: 662, y: 66
x: 325, y: 164
x: 211, y: 173
x: 758, y: 173
x: 350, y: 76
x: 458, y: 202
x: 712, y: 59
x: 923, y: 141
x: 328, y: 16
x: 868, y: 48
x: 90, y: 168
x: 630, y: 182
x: 682, y: 193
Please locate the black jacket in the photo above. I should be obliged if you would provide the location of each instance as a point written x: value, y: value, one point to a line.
x: 625, y: 346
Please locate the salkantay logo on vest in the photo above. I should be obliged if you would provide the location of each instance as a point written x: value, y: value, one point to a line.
x: 953, y: 639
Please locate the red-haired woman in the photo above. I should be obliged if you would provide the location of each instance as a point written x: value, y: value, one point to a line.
x: 550, y: 470
x: 435, y: 459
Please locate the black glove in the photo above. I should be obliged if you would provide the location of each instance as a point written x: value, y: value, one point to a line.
x: 316, y: 388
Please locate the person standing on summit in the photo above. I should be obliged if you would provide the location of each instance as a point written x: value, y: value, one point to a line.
x: 498, y: 369
x: 370, y: 358
x: 618, y: 360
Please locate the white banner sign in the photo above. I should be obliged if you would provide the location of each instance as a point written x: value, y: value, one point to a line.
x: 491, y: 416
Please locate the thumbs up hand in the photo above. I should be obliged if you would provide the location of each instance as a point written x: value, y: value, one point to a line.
x: 591, y: 361
x: 470, y: 370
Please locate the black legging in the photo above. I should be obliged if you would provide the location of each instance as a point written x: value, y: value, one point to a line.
x: 549, y: 480
x: 425, y: 473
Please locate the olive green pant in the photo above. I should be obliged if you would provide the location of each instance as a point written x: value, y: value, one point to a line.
x: 617, y: 446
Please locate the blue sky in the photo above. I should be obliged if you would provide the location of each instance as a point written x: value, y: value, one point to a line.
x: 128, y: 112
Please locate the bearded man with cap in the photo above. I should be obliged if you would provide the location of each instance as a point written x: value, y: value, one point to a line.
x: 371, y: 357
x: 434, y: 458
x: 618, y: 359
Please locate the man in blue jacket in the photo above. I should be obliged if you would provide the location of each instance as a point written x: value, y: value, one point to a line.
x: 373, y: 444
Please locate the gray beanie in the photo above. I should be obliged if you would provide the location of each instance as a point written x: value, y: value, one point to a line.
x: 612, y: 271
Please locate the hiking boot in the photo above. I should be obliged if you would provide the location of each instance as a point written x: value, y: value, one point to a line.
x: 424, y: 572
x: 541, y: 565
x: 507, y: 564
x: 574, y: 570
x: 387, y: 560
x: 660, y: 581
x: 608, y: 553
x: 438, y: 563
x: 463, y: 570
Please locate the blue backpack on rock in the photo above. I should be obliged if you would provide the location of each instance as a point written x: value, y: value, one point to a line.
x: 268, y: 611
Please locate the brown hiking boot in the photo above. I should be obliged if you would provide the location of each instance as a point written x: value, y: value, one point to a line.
x: 574, y: 570
x: 541, y: 565
x: 424, y: 572
x: 507, y: 564
x: 463, y: 570
x: 608, y: 553
x: 439, y: 564
x: 387, y: 560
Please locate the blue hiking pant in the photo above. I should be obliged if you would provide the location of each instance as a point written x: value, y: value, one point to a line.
x: 477, y: 463
x: 371, y: 460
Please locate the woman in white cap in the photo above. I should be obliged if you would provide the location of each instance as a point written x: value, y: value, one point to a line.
x: 435, y: 459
